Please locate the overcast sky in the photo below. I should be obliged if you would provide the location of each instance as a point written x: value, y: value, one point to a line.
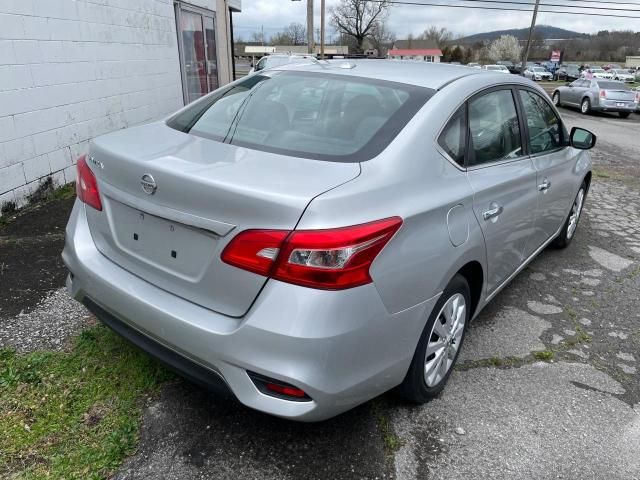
x: 406, y: 19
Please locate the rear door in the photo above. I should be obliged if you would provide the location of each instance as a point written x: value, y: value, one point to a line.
x: 552, y: 158
x: 503, y: 179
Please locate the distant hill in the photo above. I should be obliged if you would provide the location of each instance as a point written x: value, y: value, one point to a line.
x: 547, y: 31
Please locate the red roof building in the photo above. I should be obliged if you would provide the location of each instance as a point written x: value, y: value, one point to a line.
x: 421, y: 50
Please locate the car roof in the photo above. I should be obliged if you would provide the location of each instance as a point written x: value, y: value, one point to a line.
x: 422, y: 74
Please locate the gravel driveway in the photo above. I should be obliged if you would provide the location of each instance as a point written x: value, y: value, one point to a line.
x: 505, y: 413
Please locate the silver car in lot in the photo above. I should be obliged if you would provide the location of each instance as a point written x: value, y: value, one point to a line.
x: 312, y: 236
x: 597, y: 95
x: 538, y: 73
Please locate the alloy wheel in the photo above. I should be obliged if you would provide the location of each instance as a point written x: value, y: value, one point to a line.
x: 576, y: 210
x: 584, y: 107
x: 556, y: 99
x: 445, y: 339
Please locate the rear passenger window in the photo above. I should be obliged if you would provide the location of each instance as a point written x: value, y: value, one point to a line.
x: 494, y: 128
x: 453, y: 138
x: 545, y: 129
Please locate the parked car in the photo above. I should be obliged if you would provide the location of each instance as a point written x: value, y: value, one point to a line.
x: 256, y: 241
x: 595, y: 72
x: 637, y: 91
x: 474, y: 65
x: 276, y: 60
x: 537, y: 73
x: 611, y: 66
x: 597, y: 95
x: 497, y: 68
x: 567, y: 73
x: 622, y: 75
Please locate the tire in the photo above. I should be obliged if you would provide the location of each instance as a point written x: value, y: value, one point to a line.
x: 425, y: 378
x: 624, y: 114
x: 568, y: 232
x: 585, y: 106
x: 556, y: 99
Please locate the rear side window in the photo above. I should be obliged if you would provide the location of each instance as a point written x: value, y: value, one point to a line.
x: 312, y: 115
x: 545, y: 128
x: 494, y: 128
x: 453, y: 138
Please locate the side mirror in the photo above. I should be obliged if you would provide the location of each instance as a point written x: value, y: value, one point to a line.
x: 582, y: 139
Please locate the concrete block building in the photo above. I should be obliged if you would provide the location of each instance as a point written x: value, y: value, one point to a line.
x: 74, y: 69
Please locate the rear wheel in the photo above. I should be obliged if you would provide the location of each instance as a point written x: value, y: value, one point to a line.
x: 585, y: 106
x: 440, y: 343
x: 556, y: 99
x: 624, y: 114
x: 571, y: 224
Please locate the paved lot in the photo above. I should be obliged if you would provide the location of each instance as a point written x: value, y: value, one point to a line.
x: 505, y: 414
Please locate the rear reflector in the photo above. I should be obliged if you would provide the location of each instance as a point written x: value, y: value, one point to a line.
x: 603, y: 93
x: 278, y: 389
x: 86, y: 185
x: 332, y: 259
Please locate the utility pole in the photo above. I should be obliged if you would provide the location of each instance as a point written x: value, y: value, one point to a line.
x: 322, y: 29
x: 533, y: 25
x: 310, y: 41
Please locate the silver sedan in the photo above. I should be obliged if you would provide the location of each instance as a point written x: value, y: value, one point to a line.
x: 311, y: 236
x: 597, y: 95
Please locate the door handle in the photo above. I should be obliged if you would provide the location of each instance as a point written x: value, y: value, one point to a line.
x: 492, y: 212
x: 544, y: 185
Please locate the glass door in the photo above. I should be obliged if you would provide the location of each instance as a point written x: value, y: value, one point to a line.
x: 198, y: 59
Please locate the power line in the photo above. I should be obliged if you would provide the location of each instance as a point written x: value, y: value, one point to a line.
x: 402, y: 2
x: 527, y: 4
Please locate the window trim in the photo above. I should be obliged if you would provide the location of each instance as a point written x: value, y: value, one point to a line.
x: 526, y: 126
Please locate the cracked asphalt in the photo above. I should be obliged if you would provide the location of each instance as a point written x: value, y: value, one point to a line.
x: 548, y: 383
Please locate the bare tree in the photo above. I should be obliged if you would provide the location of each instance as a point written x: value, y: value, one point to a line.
x: 441, y: 36
x: 381, y: 38
x: 297, y: 33
x: 357, y: 18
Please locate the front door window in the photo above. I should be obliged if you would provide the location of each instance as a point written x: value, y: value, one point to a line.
x: 199, y: 66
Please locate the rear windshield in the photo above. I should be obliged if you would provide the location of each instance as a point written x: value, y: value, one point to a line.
x: 311, y: 115
x: 612, y: 85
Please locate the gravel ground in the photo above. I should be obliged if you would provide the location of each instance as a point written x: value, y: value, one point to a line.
x: 504, y: 414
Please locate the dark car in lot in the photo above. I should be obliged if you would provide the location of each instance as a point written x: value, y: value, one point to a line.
x: 568, y: 73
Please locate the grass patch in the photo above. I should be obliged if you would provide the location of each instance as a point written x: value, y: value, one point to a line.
x: 544, y: 355
x: 571, y: 312
x: 75, y: 414
x: 391, y: 441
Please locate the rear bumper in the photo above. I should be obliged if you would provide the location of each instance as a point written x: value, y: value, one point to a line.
x: 341, y: 348
x: 610, y: 106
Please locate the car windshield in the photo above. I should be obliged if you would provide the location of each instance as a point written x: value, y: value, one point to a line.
x: 613, y: 86
x: 621, y: 71
x: 597, y: 70
x: 303, y: 114
x: 538, y: 69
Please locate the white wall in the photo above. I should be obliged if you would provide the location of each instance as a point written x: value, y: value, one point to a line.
x: 73, y: 69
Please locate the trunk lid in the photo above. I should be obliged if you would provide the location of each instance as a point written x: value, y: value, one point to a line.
x: 205, y: 192
x: 620, y: 95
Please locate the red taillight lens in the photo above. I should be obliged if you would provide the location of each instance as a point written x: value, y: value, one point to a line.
x: 86, y: 185
x: 331, y: 259
x: 603, y: 94
x: 255, y: 250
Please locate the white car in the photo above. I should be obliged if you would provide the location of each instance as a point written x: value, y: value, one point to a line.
x: 277, y: 60
x: 597, y: 73
x: 473, y: 65
x: 497, y: 68
x: 537, y: 73
x: 622, y: 75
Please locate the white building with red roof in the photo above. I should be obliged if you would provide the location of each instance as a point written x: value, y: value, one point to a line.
x: 421, y: 50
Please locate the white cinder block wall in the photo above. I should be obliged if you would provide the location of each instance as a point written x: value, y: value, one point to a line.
x: 74, y: 69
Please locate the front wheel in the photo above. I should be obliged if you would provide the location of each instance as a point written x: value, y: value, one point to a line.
x: 585, y: 106
x: 571, y: 224
x: 439, y: 344
x: 556, y: 99
x: 624, y: 114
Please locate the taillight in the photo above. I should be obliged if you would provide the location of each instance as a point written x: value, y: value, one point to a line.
x: 86, y: 185
x: 603, y: 93
x: 332, y: 259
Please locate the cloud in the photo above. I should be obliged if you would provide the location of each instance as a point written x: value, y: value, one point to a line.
x: 274, y: 15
